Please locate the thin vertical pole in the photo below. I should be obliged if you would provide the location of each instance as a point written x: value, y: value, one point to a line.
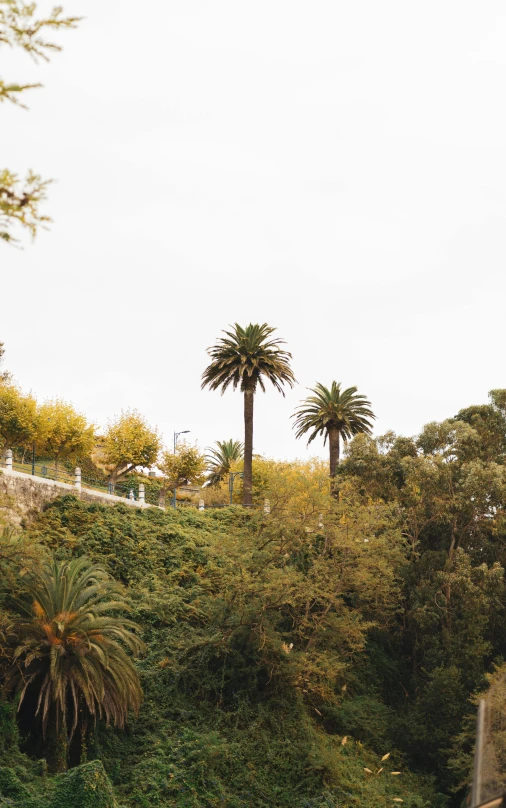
x: 33, y: 460
x: 176, y: 436
x: 175, y: 489
x: 478, y: 755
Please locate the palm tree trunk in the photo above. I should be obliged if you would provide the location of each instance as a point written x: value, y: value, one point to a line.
x: 334, y: 452
x: 57, y: 747
x: 247, y: 491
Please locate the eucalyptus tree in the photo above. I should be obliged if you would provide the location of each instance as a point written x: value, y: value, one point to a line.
x: 220, y: 459
x: 336, y: 415
x: 70, y: 651
x: 245, y: 358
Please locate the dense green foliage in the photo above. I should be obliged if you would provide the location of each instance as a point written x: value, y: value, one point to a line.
x: 242, y: 683
x: 324, y: 654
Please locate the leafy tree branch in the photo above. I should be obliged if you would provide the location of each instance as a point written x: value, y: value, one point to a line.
x: 20, y: 201
x: 20, y: 27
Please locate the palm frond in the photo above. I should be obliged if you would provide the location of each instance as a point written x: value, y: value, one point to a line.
x: 220, y: 459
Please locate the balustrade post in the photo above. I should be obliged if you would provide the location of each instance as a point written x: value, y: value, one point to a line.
x: 201, y: 505
x: 77, y: 478
x: 267, y: 506
x: 142, y: 494
x: 8, y: 460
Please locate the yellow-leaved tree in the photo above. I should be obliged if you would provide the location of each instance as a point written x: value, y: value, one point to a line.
x: 129, y: 443
x: 186, y: 466
x: 297, y: 490
x: 62, y: 432
x: 17, y: 417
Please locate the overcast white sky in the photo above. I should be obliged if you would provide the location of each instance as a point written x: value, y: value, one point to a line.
x: 336, y: 169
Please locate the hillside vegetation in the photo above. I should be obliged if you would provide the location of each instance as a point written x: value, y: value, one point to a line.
x: 325, y: 653
x: 243, y: 685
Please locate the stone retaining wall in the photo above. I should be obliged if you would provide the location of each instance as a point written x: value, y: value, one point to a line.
x: 23, y: 496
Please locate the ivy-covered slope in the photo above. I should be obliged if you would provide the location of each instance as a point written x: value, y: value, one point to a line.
x: 227, y: 718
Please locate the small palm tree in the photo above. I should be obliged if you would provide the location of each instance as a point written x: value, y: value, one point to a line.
x: 244, y: 358
x: 335, y: 414
x: 220, y: 459
x: 69, y: 652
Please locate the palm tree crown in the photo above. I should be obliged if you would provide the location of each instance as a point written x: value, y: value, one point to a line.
x: 334, y: 414
x: 344, y: 410
x: 247, y: 356
x: 220, y: 459
x: 70, y: 651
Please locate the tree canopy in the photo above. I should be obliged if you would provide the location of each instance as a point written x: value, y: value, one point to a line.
x: 18, y: 416
x: 129, y: 442
x: 62, y: 432
x: 185, y: 466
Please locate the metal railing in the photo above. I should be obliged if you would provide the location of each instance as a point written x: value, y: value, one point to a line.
x: 22, y: 461
x: 45, y: 470
x: 50, y: 470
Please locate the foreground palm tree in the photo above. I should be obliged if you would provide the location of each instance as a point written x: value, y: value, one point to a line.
x: 244, y: 358
x: 335, y: 414
x: 69, y: 653
x: 220, y: 459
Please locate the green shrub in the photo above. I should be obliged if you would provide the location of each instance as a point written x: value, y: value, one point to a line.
x: 86, y: 786
x: 11, y: 786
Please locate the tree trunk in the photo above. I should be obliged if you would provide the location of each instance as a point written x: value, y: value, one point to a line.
x: 334, y: 451
x: 57, y: 748
x: 247, y: 491
x: 120, y: 471
x: 83, y: 758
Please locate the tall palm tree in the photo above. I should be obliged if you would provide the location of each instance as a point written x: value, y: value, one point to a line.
x: 69, y: 651
x: 335, y: 414
x: 220, y: 459
x: 244, y: 358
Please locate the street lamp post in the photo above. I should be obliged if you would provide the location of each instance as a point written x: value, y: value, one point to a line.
x: 233, y: 475
x: 176, y: 436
